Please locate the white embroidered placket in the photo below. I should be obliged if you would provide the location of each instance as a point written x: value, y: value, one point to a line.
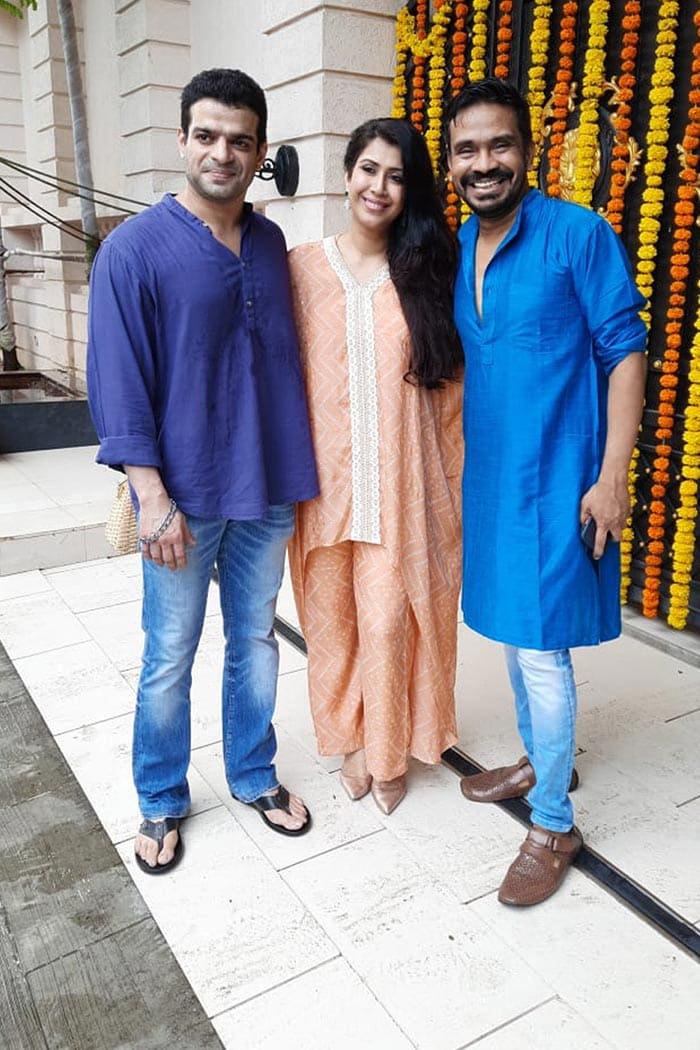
x: 362, y: 382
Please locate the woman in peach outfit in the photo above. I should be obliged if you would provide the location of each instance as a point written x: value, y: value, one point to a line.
x: 376, y: 557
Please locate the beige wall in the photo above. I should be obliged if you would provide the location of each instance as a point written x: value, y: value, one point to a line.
x: 12, y: 139
x: 326, y: 67
x: 101, y: 89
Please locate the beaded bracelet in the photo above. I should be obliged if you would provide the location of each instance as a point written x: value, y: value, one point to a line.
x: 145, y: 541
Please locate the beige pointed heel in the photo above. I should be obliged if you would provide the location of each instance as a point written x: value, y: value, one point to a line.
x: 388, y: 793
x: 356, y: 785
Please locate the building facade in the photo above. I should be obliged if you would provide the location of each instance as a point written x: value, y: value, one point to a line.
x: 325, y: 67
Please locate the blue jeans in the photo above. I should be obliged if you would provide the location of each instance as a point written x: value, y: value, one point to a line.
x: 249, y: 556
x: 545, y: 703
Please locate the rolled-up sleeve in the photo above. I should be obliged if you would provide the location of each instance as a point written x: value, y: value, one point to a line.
x: 609, y: 297
x: 121, y: 363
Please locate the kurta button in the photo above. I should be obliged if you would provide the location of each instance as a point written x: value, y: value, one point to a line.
x: 249, y: 302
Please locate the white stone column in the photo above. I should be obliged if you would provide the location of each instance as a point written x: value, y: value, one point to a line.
x: 153, y: 45
x: 329, y: 67
x: 50, y: 148
x: 11, y: 110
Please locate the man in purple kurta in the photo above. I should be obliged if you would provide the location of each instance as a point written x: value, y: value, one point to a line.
x: 548, y: 313
x: 196, y: 393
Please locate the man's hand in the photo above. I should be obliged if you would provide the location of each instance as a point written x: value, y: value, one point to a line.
x: 171, y: 548
x: 608, y: 503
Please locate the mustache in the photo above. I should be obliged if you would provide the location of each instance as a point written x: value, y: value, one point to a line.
x: 229, y: 169
x: 499, y: 174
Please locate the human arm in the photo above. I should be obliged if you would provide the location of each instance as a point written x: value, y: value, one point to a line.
x: 154, y: 502
x: 122, y: 391
x: 607, y: 501
x: 121, y: 359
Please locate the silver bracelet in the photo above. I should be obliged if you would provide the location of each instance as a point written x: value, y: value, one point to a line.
x: 145, y: 541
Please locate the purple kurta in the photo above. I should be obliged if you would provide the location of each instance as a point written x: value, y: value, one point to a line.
x: 193, y: 363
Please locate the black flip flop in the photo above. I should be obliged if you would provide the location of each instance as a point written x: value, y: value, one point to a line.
x: 157, y: 830
x: 280, y: 800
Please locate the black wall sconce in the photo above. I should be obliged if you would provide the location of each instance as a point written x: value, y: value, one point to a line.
x: 284, y: 169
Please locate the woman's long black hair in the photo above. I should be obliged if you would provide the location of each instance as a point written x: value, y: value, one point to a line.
x: 422, y: 254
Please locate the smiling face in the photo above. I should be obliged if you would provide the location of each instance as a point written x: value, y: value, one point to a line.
x: 376, y: 186
x: 488, y: 159
x: 221, y: 150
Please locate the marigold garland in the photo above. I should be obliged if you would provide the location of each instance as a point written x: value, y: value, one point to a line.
x: 504, y: 36
x: 457, y: 81
x: 631, y: 22
x: 437, y: 74
x: 459, y: 49
x: 684, y: 540
x: 561, y: 95
x: 660, y: 95
x: 412, y: 39
x: 537, y: 84
x: 444, y: 54
x: 480, y: 30
x: 419, y: 63
x: 591, y: 91
x: 400, y: 87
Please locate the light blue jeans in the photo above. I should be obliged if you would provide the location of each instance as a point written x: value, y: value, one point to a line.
x: 545, y: 704
x: 249, y: 556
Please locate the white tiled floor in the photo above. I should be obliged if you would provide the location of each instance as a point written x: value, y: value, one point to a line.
x: 53, y: 505
x: 385, y: 933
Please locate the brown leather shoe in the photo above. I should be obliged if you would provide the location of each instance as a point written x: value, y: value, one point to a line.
x: 539, y: 869
x: 495, y: 785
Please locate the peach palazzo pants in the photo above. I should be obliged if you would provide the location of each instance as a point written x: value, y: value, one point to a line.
x: 357, y: 612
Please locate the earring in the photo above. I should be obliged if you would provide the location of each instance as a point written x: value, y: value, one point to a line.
x: 346, y: 202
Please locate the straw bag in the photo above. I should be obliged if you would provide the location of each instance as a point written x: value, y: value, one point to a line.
x: 121, y: 530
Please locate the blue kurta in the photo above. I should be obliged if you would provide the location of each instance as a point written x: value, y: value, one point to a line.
x: 193, y: 363
x: 560, y: 311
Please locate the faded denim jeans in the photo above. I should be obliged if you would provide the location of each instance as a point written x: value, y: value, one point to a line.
x: 545, y: 704
x: 249, y: 556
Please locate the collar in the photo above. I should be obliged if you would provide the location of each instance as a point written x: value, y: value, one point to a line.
x: 529, y: 205
x: 176, y: 208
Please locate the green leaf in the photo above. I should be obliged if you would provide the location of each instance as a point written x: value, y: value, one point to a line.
x: 17, y: 9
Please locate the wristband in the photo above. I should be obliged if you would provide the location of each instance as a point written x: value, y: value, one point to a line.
x: 145, y: 541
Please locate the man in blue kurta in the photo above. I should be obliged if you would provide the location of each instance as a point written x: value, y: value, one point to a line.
x: 196, y: 393
x: 549, y: 316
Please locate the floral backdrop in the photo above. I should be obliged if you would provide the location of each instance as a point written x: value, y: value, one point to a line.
x: 614, y: 90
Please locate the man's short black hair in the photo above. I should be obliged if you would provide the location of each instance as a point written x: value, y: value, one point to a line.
x: 495, y: 91
x: 230, y: 86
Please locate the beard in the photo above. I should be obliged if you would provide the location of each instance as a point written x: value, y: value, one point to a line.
x: 500, y: 205
x: 215, y: 192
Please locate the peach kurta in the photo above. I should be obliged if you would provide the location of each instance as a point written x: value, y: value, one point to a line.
x: 389, y: 457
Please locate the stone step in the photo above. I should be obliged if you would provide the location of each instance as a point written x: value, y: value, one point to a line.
x: 53, y: 508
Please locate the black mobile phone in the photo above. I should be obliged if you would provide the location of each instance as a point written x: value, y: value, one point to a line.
x: 588, y: 532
